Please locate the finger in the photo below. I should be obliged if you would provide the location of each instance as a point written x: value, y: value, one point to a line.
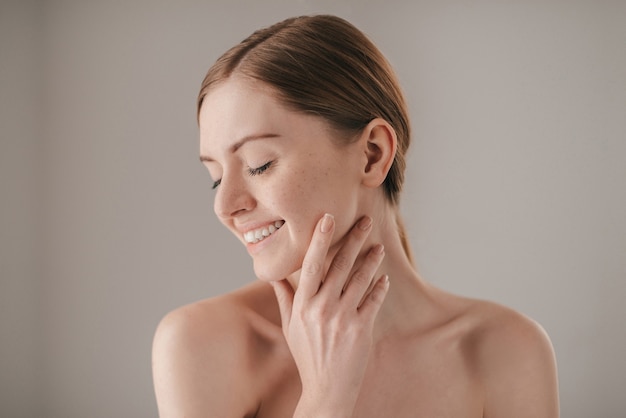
x: 312, y: 271
x: 374, y: 300
x: 343, y: 262
x: 361, y: 279
x: 284, y: 295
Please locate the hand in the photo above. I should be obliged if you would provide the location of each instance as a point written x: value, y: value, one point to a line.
x: 328, y: 321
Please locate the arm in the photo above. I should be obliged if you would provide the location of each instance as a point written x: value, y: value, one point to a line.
x: 197, y: 364
x: 519, y: 370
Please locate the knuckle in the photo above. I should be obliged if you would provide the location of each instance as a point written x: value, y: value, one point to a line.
x: 377, y: 295
x: 340, y: 319
x: 353, y: 330
x: 311, y: 267
x: 341, y: 262
x: 318, y: 311
x: 360, y: 279
x: 307, y: 316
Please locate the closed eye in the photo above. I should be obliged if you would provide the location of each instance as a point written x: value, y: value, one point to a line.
x: 251, y: 171
x: 259, y: 170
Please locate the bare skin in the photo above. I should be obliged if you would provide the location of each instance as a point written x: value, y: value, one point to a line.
x: 453, y: 357
x: 324, y: 333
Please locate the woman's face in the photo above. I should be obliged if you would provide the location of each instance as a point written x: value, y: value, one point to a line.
x: 276, y: 173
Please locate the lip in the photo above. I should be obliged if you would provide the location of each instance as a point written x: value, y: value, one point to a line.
x: 243, y: 228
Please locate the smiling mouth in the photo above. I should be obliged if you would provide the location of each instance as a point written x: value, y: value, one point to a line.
x: 257, y: 235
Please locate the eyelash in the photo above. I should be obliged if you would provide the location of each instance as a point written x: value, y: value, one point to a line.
x: 259, y: 170
x: 251, y: 172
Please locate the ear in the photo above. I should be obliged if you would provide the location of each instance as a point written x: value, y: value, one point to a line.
x: 379, y: 146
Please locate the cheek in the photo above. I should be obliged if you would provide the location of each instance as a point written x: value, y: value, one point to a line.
x: 303, y: 190
x: 301, y: 199
x: 304, y: 194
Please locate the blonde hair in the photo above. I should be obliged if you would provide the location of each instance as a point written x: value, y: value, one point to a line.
x: 325, y: 66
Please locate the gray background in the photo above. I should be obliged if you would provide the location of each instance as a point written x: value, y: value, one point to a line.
x: 515, y: 189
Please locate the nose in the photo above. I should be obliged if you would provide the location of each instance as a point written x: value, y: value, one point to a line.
x: 232, y: 198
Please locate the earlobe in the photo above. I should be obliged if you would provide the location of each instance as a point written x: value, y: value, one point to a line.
x: 380, y: 150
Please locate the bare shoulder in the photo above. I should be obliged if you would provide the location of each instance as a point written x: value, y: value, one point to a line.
x: 204, y: 354
x: 514, y: 359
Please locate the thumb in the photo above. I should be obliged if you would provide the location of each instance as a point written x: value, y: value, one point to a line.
x: 284, y: 295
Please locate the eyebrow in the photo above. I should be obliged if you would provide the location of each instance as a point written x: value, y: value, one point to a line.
x: 233, y: 148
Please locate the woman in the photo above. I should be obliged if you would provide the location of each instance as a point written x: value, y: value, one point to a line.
x: 304, y: 131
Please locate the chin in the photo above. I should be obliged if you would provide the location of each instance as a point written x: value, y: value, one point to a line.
x: 275, y: 271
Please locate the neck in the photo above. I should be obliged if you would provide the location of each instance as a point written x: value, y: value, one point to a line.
x: 408, y: 294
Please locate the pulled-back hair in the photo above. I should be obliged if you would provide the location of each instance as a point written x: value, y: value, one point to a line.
x: 325, y: 66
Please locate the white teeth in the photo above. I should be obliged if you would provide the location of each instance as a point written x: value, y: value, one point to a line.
x: 261, y: 233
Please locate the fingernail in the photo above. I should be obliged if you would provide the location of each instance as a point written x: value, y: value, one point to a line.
x: 327, y: 223
x: 365, y: 223
x: 379, y: 249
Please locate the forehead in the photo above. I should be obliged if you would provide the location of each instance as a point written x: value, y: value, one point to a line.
x: 241, y: 107
x: 234, y: 100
